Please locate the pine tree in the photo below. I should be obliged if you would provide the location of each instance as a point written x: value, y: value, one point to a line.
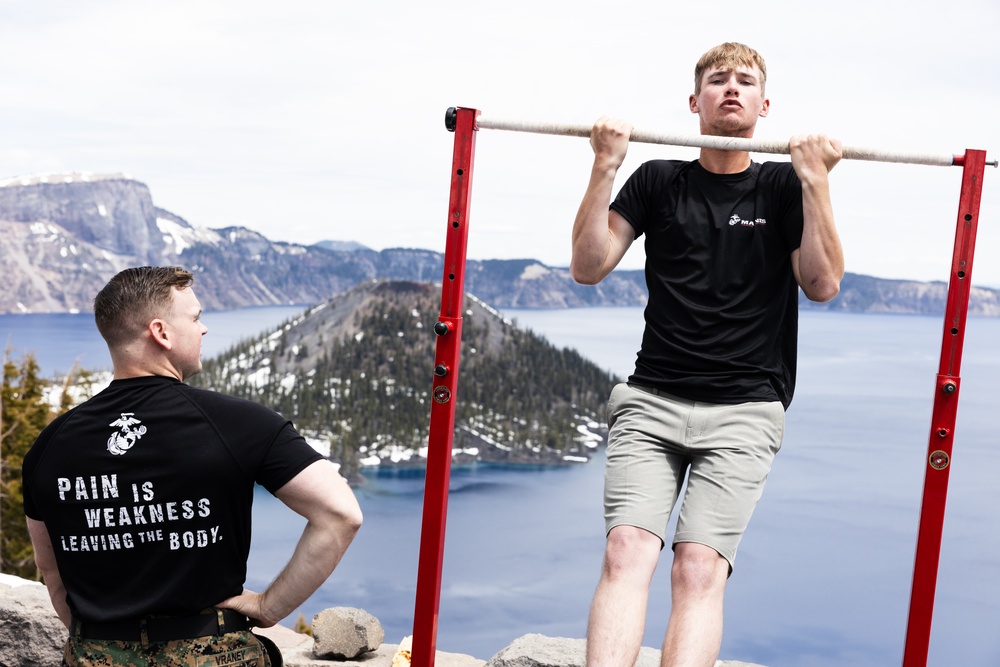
x: 23, y: 413
x: 369, y: 390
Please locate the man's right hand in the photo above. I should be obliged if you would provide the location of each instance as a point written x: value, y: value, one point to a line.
x: 251, y: 605
x: 609, y: 138
x: 601, y: 237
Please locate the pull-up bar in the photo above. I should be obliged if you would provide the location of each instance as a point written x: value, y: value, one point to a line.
x: 465, y: 123
x: 721, y: 143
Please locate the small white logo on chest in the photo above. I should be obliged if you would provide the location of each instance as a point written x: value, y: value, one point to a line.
x: 737, y: 220
x: 127, y: 434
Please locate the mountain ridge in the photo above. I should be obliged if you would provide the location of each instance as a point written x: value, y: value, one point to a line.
x: 65, y: 235
x: 354, y: 371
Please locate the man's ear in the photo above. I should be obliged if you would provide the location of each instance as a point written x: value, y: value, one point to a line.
x: 693, y: 103
x: 765, y: 107
x: 158, y: 332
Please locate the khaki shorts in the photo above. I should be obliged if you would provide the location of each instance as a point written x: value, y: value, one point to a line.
x: 726, y: 451
x: 234, y: 649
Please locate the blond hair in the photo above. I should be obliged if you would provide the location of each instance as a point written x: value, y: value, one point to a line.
x: 729, y: 56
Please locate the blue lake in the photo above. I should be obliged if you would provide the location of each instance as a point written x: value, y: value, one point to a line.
x: 823, y: 575
x: 60, y: 340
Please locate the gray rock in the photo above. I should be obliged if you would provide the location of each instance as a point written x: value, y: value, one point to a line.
x: 343, y: 633
x: 542, y: 651
x: 31, y: 635
x: 30, y: 632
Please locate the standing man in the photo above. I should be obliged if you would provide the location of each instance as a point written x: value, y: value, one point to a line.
x: 138, y: 500
x: 728, y: 244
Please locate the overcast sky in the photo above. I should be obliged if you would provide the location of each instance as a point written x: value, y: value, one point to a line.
x: 311, y: 120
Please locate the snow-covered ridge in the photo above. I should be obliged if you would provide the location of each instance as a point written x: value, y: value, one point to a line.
x: 178, y: 237
x: 61, y: 177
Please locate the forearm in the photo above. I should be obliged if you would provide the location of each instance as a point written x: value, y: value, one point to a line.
x: 317, y: 553
x: 45, y: 560
x: 600, y: 238
x: 592, y: 237
x: 821, y: 256
x: 57, y: 593
x: 333, y: 516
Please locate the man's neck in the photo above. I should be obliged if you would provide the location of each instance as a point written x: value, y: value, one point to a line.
x: 125, y: 369
x: 724, y: 162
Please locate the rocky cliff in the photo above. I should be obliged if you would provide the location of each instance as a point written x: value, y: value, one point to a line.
x: 62, y: 236
x: 31, y: 635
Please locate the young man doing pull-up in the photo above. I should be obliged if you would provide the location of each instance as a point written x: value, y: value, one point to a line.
x: 729, y: 242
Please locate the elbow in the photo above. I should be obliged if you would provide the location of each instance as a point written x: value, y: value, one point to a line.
x: 350, y: 519
x: 584, y: 275
x: 354, y: 522
x: 340, y: 520
x: 822, y: 292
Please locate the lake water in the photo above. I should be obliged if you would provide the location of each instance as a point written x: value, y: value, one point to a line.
x: 58, y: 340
x: 823, y: 575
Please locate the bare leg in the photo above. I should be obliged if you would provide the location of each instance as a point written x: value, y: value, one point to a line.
x: 697, y: 584
x: 618, y: 612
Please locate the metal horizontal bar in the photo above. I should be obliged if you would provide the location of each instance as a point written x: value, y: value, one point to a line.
x: 720, y: 143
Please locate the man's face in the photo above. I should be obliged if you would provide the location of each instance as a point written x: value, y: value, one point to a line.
x: 186, y: 329
x: 730, y: 101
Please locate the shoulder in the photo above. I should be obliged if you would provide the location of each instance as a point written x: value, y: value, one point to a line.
x: 778, y: 172
x: 663, y: 168
x: 217, y: 404
x: 654, y: 176
x: 41, y: 442
x: 780, y: 179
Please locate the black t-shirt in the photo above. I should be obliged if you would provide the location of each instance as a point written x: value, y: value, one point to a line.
x: 722, y: 316
x: 146, y: 491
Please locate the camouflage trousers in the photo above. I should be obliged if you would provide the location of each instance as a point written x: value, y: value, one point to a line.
x: 233, y: 649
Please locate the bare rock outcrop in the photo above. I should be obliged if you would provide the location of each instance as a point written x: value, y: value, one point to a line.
x: 541, y: 651
x: 31, y: 635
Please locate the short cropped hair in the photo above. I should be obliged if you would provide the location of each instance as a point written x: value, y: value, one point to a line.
x: 133, y: 298
x: 729, y: 56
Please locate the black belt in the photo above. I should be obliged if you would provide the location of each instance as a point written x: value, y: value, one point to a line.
x: 163, y: 628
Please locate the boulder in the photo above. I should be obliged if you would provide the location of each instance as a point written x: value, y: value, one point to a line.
x: 30, y: 632
x: 344, y: 633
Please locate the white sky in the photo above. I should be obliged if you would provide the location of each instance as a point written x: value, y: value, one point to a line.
x: 315, y: 119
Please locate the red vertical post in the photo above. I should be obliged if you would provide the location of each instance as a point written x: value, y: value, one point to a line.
x: 939, y: 451
x: 442, y: 423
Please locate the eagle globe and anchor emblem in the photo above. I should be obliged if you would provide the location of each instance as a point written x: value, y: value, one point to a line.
x: 127, y: 435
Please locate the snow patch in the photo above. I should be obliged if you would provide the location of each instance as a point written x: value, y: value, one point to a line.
x: 534, y: 271
x: 60, y: 177
x: 321, y: 445
x: 181, y: 237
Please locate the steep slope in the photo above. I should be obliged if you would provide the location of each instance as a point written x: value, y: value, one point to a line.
x: 356, y: 370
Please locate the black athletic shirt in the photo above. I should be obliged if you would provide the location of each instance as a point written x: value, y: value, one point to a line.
x: 722, y: 315
x: 146, y: 491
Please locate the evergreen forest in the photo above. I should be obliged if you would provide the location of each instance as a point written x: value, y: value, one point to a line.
x: 358, y: 371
